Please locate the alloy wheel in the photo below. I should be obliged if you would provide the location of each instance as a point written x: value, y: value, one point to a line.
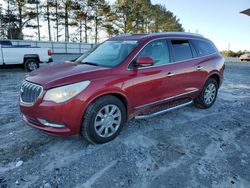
x: 210, y: 93
x: 107, y: 120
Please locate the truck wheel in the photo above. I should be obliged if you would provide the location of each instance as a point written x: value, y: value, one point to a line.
x: 31, y: 64
x: 103, y: 120
x: 208, y: 95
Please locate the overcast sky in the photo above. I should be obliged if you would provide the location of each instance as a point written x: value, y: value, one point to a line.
x: 219, y: 20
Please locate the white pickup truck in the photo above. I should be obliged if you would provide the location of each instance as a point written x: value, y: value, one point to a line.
x: 25, y: 55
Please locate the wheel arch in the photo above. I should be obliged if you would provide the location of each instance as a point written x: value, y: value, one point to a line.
x: 118, y: 95
x: 216, y: 77
x: 31, y: 56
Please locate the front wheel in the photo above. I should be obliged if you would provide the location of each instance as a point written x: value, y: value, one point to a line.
x: 103, y: 120
x: 208, y: 95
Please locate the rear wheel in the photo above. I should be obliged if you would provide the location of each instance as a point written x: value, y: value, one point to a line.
x: 103, y: 120
x: 208, y: 95
x: 31, y: 64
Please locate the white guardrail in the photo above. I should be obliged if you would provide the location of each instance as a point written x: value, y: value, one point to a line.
x: 57, y: 47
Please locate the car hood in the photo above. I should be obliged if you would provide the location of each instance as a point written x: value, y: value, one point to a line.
x: 66, y: 73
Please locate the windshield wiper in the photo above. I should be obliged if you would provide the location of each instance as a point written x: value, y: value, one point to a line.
x: 90, y: 63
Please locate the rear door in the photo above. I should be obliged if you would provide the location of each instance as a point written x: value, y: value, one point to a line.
x: 205, y: 62
x: 185, y: 67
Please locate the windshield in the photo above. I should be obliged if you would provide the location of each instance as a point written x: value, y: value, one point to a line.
x: 109, y: 53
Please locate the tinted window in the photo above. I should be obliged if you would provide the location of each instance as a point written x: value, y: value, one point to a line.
x: 158, y: 51
x: 203, y: 47
x: 5, y: 43
x: 181, y: 50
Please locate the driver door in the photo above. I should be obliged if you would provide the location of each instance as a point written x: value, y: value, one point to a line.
x: 148, y: 85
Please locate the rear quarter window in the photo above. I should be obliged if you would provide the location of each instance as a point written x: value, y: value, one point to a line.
x: 203, y: 47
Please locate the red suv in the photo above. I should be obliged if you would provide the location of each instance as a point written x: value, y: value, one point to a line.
x: 128, y: 76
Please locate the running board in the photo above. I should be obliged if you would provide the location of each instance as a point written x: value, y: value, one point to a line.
x: 163, y: 111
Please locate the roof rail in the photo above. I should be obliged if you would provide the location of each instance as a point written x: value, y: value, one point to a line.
x: 129, y: 34
x: 144, y: 35
x: 177, y: 33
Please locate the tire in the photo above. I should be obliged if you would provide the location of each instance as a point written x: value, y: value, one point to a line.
x: 31, y: 64
x: 208, y: 94
x: 100, y: 124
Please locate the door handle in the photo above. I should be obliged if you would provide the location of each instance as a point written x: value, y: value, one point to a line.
x: 170, y: 74
x: 199, y: 68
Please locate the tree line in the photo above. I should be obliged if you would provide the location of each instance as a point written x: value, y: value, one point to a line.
x: 84, y: 17
x: 230, y: 53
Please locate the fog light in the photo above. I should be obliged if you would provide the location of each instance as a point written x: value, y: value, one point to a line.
x: 51, y: 124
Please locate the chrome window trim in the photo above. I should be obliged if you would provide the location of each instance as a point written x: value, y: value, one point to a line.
x: 27, y: 103
x: 166, y: 99
x: 174, y: 62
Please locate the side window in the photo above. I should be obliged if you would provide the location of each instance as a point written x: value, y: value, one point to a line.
x: 158, y: 51
x: 5, y: 43
x: 181, y: 50
x: 203, y: 47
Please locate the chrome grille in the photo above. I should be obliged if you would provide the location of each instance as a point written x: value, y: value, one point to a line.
x: 30, y: 92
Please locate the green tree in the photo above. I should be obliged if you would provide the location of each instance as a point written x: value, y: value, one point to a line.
x: 122, y: 18
x: 140, y: 13
x: 47, y: 15
x: 83, y: 18
x: 57, y: 16
x: 2, y: 25
x: 64, y: 16
x: 140, y: 16
x: 108, y: 25
x: 100, y: 10
x: 37, y: 12
x: 163, y: 20
x: 18, y: 15
x: 52, y: 12
x: 67, y: 7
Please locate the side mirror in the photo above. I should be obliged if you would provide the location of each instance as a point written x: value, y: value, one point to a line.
x: 144, y: 61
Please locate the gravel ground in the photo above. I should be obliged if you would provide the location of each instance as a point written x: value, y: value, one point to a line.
x: 188, y: 147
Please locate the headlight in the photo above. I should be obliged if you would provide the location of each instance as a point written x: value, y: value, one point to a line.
x: 64, y: 93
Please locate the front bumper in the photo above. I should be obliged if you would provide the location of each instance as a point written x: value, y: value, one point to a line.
x: 69, y: 114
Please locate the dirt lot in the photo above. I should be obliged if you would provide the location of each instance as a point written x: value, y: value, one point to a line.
x: 188, y: 147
